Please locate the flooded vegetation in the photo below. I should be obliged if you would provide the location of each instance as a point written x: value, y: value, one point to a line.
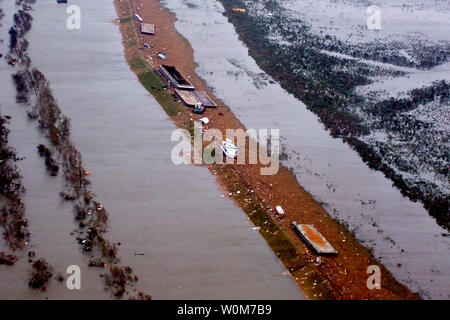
x: 40, y: 275
x: 50, y: 163
x: 13, y: 219
x: 324, y: 71
x: 32, y: 88
x: 8, y: 259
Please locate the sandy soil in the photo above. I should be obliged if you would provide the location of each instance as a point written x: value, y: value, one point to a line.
x: 343, y: 276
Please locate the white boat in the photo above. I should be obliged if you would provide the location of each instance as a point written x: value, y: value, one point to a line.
x: 229, y: 149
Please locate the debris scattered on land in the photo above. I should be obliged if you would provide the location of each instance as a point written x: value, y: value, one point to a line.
x: 90, y: 214
x: 279, y: 210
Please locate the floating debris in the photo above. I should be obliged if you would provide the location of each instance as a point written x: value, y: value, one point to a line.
x: 12, y: 212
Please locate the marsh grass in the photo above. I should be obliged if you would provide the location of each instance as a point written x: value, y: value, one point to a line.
x: 125, y: 20
x: 138, y: 63
x: 155, y: 85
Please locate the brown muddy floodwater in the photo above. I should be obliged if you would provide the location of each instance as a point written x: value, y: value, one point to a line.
x: 183, y: 240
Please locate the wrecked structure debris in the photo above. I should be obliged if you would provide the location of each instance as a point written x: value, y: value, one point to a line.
x: 314, y: 239
x: 147, y: 28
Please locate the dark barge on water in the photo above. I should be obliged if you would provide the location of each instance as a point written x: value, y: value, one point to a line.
x: 175, y: 78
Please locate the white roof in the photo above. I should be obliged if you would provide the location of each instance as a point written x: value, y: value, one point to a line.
x: 204, y: 120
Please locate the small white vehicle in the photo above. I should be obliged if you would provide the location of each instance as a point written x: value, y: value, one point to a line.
x: 204, y: 121
x: 229, y: 149
x: 162, y: 55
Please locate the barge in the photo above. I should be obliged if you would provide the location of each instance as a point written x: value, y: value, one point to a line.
x: 193, y: 98
x: 187, y: 97
x: 314, y: 239
x: 175, y: 78
x: 204, y: 99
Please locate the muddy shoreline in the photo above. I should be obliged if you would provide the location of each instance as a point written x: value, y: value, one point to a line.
x: 340, y: 277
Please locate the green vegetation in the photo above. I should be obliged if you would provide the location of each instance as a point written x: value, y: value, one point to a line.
x: 125, y: 20
x: 152, y: 81
x: 296, y: 262
x: 138, y: 63
x: 132, y: 44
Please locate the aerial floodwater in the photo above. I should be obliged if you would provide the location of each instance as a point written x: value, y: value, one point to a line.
x: 401, y: 233
x: 140, y: 226
x: 182, y: 238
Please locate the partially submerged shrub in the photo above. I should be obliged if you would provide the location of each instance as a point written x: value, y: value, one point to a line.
x: 41, y: 273
x: 118, y: 278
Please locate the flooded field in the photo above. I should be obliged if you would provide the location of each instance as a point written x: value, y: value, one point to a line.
x: 401, y: 233
x: 183, y: 240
